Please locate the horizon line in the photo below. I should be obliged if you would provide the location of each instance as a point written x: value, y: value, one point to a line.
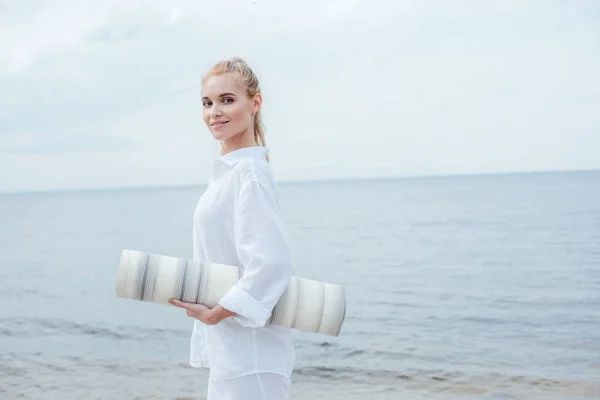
x: 306, y: 181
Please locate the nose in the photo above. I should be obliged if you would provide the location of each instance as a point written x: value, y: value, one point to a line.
x: 215, y: 110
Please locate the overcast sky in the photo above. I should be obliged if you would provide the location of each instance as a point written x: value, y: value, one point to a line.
x: 106, y: 93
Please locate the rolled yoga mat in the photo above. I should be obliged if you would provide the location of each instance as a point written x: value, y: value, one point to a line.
x: 306, y: 305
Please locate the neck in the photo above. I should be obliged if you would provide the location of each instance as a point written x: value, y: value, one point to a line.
x: 244, y: 139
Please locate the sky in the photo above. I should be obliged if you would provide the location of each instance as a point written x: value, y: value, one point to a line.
x: 97, y: 94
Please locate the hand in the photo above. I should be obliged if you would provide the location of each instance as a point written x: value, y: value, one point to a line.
x: 198, y: 311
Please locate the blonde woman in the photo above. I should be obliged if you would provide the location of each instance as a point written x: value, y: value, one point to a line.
x: 237, y: 222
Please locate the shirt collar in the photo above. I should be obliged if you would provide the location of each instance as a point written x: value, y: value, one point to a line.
x: 232, y: 158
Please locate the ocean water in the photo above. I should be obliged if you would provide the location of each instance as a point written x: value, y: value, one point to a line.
x: 472, y: 287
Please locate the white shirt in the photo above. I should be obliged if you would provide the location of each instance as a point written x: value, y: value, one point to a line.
x: 237, y: 222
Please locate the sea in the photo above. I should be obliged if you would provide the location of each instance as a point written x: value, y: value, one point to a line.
x: 458, y: 287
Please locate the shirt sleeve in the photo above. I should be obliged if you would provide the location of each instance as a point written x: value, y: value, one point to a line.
x: 264, y: 251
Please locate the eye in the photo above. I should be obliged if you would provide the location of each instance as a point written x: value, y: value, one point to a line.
x: 207, y: 103
x: 227, y: 100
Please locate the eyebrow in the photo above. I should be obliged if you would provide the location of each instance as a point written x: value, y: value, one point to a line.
x: 221, y: 95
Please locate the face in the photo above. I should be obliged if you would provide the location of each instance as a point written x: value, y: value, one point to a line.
x: 227, y: 109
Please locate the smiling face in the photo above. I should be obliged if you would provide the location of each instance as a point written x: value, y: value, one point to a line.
x: 228, y: 111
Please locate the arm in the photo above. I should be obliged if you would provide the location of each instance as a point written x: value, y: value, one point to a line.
x: 265, y: 255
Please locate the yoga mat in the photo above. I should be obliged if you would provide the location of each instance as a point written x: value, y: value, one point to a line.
x: 306, y: 305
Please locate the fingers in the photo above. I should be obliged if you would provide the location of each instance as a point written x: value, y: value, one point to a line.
x: 178, y: 303
x: 189, y: 308
x: 198, y: 311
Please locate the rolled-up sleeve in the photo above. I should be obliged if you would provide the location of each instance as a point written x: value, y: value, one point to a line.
x: 264, y: 252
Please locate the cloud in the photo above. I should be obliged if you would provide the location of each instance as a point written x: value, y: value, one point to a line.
x: 352, y: 88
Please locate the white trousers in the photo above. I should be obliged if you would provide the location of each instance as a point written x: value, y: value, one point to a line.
x: 264, y: 386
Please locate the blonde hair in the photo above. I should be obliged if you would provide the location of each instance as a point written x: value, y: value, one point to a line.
x: 249, y: 80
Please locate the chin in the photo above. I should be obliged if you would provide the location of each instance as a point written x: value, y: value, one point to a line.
x: 219, y: 135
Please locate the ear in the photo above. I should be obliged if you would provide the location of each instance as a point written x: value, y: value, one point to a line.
x: 257, y: 104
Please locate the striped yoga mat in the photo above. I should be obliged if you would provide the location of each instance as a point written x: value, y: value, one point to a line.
x: 306, y: 305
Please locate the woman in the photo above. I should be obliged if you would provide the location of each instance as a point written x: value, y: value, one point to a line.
x: 237, y: 222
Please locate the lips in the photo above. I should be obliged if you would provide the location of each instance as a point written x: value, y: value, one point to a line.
x: 218, y: 124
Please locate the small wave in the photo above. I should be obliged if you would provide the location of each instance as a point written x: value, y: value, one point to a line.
x: 35, y: 327
x: 458, y: 381
x: 354, y: 353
